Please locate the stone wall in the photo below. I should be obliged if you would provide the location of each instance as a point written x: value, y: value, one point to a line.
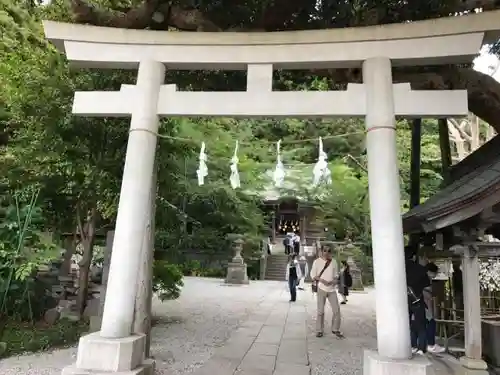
x: 63, y: 289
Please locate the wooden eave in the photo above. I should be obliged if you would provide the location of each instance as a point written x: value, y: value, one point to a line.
x: 475, y: 186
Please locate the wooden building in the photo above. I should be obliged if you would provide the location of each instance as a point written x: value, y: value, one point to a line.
x: 454, y: 223
x: 291, y: 208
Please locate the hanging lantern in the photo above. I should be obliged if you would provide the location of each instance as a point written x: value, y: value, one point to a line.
x: 321, y: 172
x: 235, y: 176
x: 279, y: 171
x: 202, y: 171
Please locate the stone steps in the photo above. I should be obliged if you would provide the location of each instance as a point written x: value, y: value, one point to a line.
x: 276, y: 267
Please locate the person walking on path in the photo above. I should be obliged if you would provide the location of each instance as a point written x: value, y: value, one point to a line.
x: 288, y: 243
x: 417, y: 280
x: 304, y: 269
x: 432, y: 347
x: 293, y: 275
x: 296, y: 243
x: 324, y: 274
x: 345, y: 282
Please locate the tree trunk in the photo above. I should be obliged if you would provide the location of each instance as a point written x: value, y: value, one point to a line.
x: 474, y: 132
x: 70, y: 248
x: 457, y: 138
x: 87, y: 235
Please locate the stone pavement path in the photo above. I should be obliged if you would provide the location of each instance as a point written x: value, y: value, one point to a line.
x: 272, y: 341
x: 213, y: 329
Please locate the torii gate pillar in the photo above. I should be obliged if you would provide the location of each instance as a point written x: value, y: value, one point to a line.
x: 115, y: 348
x: 393, y: 333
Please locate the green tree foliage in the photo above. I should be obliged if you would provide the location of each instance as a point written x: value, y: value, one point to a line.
x: 76, y: 163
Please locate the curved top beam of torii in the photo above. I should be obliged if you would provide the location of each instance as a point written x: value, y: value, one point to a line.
x: 438, y: 41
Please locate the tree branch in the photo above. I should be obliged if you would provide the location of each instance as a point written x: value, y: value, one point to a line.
x: 461, y: 129
x: 150, y: 13
x: 135, y: 18
x: 483, y: 91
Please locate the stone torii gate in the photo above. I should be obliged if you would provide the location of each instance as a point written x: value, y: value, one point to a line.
x: 116, y: 348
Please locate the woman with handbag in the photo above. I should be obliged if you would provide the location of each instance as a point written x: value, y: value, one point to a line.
x: 345, y: 282
x: 293, y: 275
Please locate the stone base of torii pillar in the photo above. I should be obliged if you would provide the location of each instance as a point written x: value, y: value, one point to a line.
x: 373, y: 364
x: 124, y: 356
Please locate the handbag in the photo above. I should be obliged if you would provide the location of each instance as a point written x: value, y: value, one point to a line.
x: 314, y: 285
x: 414, y: 300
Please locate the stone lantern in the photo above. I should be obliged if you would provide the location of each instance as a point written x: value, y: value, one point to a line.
x: 237, y: 268
x: 356, y: 274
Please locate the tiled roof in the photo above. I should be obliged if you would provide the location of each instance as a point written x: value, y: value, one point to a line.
x: 475, y: 178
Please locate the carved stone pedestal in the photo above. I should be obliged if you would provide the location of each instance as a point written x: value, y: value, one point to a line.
x: 236, y: 273
x: 237, y: 268
x: 357, y: 279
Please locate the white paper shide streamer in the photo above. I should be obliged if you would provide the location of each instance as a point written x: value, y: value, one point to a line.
x: 235, y: 175
x: 202, y: 171
x: 321, y: 172
x: 279, y: 171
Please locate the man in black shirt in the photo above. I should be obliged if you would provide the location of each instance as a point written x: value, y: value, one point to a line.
x: 417, y: 280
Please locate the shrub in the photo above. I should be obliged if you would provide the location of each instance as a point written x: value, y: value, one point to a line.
x: 26, y: 337
x: 167, y: 280
x: 23, y: 250
x: 190, y: 268
x: 218, y: 273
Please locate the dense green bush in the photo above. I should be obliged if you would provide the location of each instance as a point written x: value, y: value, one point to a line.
x: 167, y: 280
x: 27, y: 337
x: 23, y: 250
x: 253, y: 269
x: 218, y: 273
x: 190, y: 268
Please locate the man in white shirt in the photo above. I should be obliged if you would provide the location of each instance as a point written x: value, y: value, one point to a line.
x: 324, y: 272
x: 296, y: 243
x: 289, y: 243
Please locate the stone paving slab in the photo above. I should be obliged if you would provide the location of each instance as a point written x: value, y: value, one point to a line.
x: 219, y: 366
x: 270, y: 335
x: 293, y: 352
x: 235, y: 349
x: 263, y: 349
x: 264, y: 363
x: 291, y: 369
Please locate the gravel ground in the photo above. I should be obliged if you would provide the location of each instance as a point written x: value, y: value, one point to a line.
x: 189, y: 330
x: 186, y: 331
x: 328, y: 355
